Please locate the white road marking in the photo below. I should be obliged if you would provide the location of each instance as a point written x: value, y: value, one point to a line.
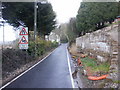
x: 72, y: 81
x: 26, y: 71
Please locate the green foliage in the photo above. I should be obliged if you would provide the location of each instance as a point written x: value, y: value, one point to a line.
x: 117, y: 81
x: 101, y: 67
x: 63, y: 36
x: 54, y: 44
x: 88, y: 62
x: 104, y: 67
x: 68, y: 31
x: 17, y: 13
x: 46, y: 19
x: 22, y: 13
x: 13, y: 59
x: 31, y: 49
x: 93, y: 15
x: 42, y: 46
x: 64, y: 40
x: 71, y: 30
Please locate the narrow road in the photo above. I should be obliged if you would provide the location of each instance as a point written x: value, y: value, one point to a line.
x: 53, y: 72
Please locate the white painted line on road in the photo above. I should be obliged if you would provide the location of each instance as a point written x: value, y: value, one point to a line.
x: 26, y: 71
x: 72, y: 81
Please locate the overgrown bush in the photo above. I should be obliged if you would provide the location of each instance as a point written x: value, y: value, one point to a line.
x: 54, y: 44
x: 14, y: 58
x: 41, y: 45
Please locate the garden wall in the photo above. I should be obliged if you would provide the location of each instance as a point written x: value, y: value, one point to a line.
x: 103, y: 45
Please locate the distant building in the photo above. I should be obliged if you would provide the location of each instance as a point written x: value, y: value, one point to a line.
x: 118, y: 18
x: 46, y: 37
x: 53, y: 37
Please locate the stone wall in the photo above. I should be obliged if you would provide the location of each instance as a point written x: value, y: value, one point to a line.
x: 103, y: 45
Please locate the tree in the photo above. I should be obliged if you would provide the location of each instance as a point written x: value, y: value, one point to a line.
x: 63, y: 36
x: 22, y: 13
x: 71, y: 30
x: 46, y: 19
x: 68, y: 31
x: 19, y: 14
x: 93, y: 15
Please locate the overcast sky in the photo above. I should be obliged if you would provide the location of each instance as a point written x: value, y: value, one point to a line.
x: 65, y: 9
x: 9, y: 33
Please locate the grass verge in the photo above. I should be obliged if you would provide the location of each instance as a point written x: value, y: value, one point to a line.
x: 95, y: 67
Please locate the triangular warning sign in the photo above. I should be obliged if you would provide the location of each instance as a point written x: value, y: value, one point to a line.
x: 23, y: 32
x: 23, y: 41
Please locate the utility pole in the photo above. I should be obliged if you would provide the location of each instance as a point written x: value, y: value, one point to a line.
x: 35, y: 22
x: 2, y: 21
x: 0, y: 49
x: 0, y: 10
x: 3, y: 34
x: 35, y: 19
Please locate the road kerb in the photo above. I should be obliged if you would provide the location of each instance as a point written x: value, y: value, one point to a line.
x: 72, y: 81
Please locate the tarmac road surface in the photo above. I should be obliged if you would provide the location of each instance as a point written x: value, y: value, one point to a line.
x: 53, y: 72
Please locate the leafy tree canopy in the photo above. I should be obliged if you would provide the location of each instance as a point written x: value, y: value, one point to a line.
x: 22, y: 13
x: 93, y: 15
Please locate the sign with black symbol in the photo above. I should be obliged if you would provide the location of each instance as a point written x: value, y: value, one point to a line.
x: 23, y: 41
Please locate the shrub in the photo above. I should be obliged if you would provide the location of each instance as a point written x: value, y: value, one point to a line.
x: 14, y: 58
x: 42, y: 46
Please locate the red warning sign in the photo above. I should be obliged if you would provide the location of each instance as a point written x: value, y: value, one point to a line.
x: 23, y: 32
x: 23, y: 41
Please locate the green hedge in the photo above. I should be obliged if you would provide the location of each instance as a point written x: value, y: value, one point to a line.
x: 42, y: 46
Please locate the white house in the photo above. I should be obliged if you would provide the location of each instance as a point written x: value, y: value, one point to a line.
x: 53, y: 37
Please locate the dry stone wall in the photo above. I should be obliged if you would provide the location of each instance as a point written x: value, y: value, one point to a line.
x: 102, y: 44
